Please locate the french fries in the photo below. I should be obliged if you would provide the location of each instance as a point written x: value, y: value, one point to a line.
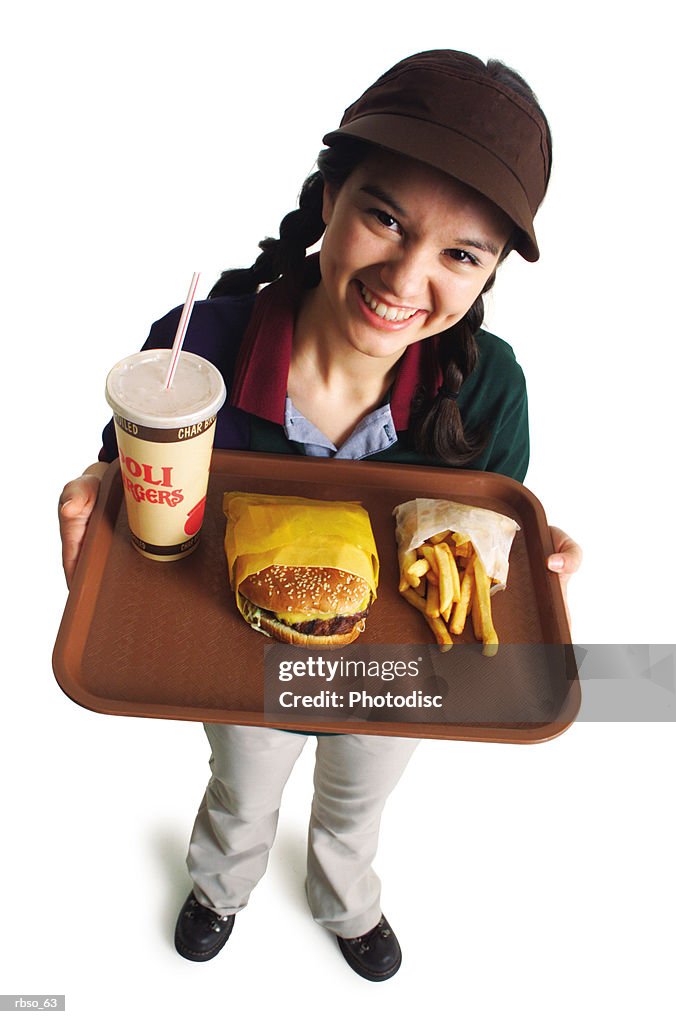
x: 445, y: 580
x: 441, y: 634
x: 417, y: 570
x: 482, y: 621
x: 459, y: 615
x: 406, y: 561
x: 446, y: 583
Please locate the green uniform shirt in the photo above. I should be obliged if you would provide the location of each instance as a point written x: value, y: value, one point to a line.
x: 494, y: 393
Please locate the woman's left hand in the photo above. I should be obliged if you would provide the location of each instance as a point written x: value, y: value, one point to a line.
x: 565, y: 560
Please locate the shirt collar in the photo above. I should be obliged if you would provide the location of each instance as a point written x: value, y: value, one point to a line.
x: 262, y: 368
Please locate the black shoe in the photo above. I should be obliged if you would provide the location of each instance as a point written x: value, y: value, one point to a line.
x: 201, y: 933
x: 376, y: 955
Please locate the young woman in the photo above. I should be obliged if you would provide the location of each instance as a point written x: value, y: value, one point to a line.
x: 371, y: 349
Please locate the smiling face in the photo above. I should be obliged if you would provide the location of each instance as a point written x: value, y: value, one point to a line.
x: 406, y: 252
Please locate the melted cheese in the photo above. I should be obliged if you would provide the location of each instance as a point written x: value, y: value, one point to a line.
x: 291, y: 618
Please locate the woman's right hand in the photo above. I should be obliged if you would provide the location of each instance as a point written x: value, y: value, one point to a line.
x: 76, y: 505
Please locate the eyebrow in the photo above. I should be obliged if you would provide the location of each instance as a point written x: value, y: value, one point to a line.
x: 469, y: 243
x: 472, y: 243
x: 378, y: 193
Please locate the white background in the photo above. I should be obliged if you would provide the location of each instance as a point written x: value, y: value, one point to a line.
x: 145, y: 140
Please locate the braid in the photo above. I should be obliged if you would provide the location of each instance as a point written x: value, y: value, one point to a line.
x: 284, y: 255
x: 436, y: 423
x: 299, y: 229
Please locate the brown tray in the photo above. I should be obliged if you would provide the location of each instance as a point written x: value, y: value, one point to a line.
x: 165, y: 640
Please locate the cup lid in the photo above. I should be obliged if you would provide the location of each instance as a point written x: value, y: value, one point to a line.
x: 135, y: 389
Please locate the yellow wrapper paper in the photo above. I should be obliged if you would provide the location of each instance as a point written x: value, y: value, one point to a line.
x: 491, y: 533
x: 267, y: 529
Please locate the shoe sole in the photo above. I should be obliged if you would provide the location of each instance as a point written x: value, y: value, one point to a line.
x: 189, y: 954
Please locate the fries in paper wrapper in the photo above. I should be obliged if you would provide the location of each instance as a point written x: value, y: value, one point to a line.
x: 266, y: 530
x: 439, y: 540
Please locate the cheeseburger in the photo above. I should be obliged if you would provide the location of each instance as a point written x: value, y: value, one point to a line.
x: 306, y: 605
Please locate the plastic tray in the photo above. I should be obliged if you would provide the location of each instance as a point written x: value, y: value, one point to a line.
x: 165, y: 640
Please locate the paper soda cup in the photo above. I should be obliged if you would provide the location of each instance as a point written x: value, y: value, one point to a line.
x: 165, y: 438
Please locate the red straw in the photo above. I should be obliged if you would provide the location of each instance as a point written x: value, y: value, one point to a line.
x: 181, y: 330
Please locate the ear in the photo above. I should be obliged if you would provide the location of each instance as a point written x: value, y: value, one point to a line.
x: 328, y: 201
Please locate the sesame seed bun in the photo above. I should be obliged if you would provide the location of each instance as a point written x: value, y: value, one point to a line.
x: 339, y: 600
x: 290, y: 588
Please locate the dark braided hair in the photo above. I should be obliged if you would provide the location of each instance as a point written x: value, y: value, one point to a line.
x: 436, y: 425
x: 285, y: 256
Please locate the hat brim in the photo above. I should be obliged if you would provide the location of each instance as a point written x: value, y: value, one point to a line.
x: 456, y: 155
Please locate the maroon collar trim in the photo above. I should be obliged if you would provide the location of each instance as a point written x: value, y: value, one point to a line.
x: 264, y: 358
x: 262, y: 368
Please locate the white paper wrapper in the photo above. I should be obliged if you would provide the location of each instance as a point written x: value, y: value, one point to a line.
x: 490, y: 532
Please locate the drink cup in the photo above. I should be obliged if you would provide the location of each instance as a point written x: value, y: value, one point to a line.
x: 165, y: 438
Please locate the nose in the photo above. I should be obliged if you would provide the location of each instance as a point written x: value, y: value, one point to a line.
x: 405, y: 275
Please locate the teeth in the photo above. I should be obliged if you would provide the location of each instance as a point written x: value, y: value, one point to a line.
x: 386, y: 312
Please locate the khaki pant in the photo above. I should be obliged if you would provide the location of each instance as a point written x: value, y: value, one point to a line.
x: 237, y: 820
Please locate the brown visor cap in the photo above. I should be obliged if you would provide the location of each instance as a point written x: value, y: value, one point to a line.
x: 441, y: 107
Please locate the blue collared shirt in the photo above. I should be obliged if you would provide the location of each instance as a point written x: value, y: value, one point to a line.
x: 373, y: 434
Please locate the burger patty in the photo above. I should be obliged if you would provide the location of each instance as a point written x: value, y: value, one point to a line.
x: 330, y: 627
